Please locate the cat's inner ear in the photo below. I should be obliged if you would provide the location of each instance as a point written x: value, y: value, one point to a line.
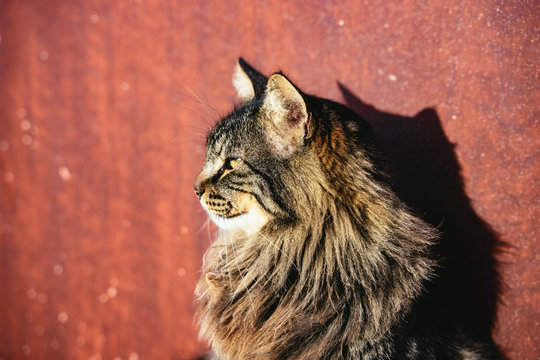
x: 242, y: 84
x: 247, y: 81
x: 285, y: 107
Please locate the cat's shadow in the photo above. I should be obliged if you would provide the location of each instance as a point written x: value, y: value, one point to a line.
x: 429, y: 179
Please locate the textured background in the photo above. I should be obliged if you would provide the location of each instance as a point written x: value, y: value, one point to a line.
x: 103, y: 110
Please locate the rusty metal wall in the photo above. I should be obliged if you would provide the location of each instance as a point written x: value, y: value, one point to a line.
x: 103, y: 110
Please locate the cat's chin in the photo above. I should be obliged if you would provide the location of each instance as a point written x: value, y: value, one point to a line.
x: 249, y: 222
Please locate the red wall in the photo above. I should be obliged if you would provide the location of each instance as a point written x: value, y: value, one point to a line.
x: 103, y: 110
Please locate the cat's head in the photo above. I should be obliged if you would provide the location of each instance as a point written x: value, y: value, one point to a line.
x: 246, y: 178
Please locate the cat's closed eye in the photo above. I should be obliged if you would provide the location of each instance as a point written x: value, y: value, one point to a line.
x: 229, y: 164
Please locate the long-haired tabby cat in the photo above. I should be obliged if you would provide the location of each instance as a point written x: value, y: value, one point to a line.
x: 317, y: 258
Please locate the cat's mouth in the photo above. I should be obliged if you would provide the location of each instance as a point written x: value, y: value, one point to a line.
x: 223, y: 212
x: 243, y: 214
x: 228, y: 220
x: 231, y: 215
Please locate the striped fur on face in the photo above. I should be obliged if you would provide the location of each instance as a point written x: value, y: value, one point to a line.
x: 316, y: 257
x: 248, y: 155
x: 234, y: 186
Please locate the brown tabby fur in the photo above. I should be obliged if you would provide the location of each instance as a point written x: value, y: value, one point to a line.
x: 336, y: 270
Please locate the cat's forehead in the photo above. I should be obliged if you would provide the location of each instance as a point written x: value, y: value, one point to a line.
x: 233, y: 131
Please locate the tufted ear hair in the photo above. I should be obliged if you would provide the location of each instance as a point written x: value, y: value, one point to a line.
x: 248, y: 82
x: 286, y: 109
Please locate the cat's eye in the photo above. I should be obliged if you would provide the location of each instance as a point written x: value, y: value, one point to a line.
x: 229, y: 164
x: 233, y: 162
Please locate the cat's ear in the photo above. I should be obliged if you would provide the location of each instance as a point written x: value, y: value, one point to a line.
x: 247, y: 81
x: 285, y: 107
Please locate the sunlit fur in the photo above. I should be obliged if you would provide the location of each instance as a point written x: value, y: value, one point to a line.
x: 338, y: 266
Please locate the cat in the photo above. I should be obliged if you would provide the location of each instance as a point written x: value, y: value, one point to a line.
x: 316, y: 256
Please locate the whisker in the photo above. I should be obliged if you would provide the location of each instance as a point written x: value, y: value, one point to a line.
x: 206, y: 225
x: 242, y: 275
x: 274, y: 245
x: 198, y: 298
x: 280, y: 250
x: 204, y: 103
x: 243, y: 264
x: 227, y: 260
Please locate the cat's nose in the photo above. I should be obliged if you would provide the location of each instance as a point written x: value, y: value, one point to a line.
x: 198, y: 191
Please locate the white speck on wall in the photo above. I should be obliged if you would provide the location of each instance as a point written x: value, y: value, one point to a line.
x: 181, y: 271
x: 40, y: 330
x: 4, y: 145
x: 63, y: 317
x: 103, y: 298
x: 94, y: 17
x: 26, y: 349
x: 26, y: 125
x: 58, y: 158
x: 42, y: 298
x: 26, y: 139
x: 341, y: 22
x: 80, y: 341
x: 8, y: 176
x: 58, y: 269
x: 454, y: 117
x: 133, y: 356
x: 54, y: 344
x: 125, y: 86
x: 64, y: 173
x: 31, y: 293
x: 112, y: 291
x: 392, y: 77
x: 21, y: 113
x: 184, y: 230
x: 44, y: 55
